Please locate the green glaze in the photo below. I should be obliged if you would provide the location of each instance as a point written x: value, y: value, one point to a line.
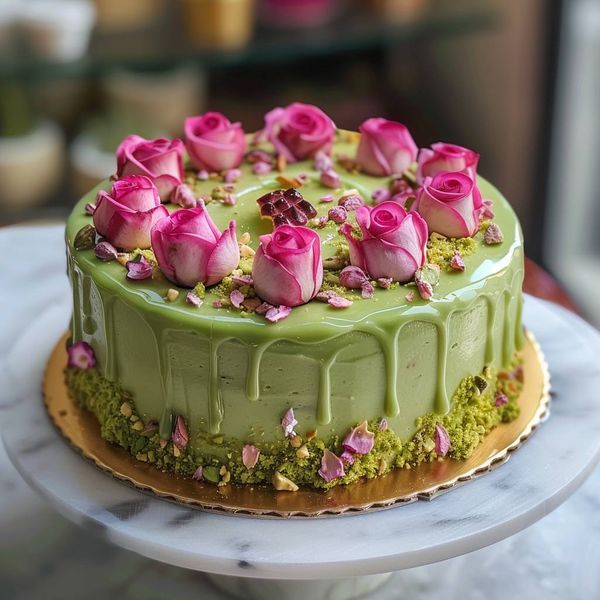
x: 235, y: 374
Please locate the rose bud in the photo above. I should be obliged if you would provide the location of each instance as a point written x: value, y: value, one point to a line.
x: 126, y: 215
x: 299, y: 131
x: 385, y: 148
x: 287, y: 267
x: 160, y: 160
x: 393, y: 242
x: 213, y: 142
x: 190, y: 249
x: 446, y: 157
x: 450, y: 203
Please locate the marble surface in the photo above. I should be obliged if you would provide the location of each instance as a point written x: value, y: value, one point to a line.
x: 42, y: 551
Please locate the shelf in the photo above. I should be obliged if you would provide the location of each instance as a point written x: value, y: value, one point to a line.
x: 355, y: 32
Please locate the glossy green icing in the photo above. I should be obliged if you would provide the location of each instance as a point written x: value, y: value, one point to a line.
x: 235, y: 374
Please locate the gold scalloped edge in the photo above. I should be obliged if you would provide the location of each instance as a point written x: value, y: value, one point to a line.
x: 76, y: 429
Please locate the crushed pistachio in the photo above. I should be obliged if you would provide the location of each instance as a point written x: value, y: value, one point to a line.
x: 440, y: 250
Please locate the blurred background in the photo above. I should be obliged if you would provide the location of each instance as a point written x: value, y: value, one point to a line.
x: 517, y: 81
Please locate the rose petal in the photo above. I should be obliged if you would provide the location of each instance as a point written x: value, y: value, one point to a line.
x: 193, y: 299
x: 236, y: 298
x: 250, y: 456
x: 198, y: 476
x: 347, y: 457
x: 493, y: 234
x: 232, y: 175
x: 332, y: 467
x: 242, y: 279
x: 381, y: 194
x: 425, y: 290
x: 263, y: 308
x: 339, y: 302
x: 384, y: 282
x: 288, y: 422
x: 140, y: 269
x: 323, y: 161
x: 81, y: 355
x: 360, y: 440
x: 90, y: 208
x: 442, y: 441
x: 261, y: 168
x: 330, y: 179
x: 105, y: 251
x: 203, y: 175
x: 277, y: 313
x: 337, y: 214
x: 367, y: 290
x: 180, y: 434
x: 326, y: 199
x: 183, y: 196
x: 457, y: 263
x: 352, y: 277
x: 410, y: 296
x: 501, y: 399
x: 383, y: 425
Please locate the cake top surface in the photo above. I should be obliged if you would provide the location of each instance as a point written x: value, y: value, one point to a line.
x: 418, y: 273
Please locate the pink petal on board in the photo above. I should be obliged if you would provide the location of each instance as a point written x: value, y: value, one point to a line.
x: 442, y: 441
x: 288, y: 422
x: 250, y: 456
x: 81, y: 355
x: 332, y: 466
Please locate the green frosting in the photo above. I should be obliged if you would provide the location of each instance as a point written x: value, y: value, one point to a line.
x: 474, y: 414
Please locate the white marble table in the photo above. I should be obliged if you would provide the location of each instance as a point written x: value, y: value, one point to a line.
x: 41, y: 551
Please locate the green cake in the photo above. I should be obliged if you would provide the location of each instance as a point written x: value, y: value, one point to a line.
x: 376, y: 353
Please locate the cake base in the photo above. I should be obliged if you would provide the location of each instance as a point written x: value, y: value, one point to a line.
x: 401, y: 486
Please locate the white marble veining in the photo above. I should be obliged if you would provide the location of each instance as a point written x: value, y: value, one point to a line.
x: 559, y: 555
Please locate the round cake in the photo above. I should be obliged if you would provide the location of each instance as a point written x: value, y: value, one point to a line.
x: 306, y: 306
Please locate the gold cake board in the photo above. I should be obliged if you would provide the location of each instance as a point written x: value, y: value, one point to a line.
x: 401, y: 486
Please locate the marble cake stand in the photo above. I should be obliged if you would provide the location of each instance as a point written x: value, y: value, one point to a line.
x: 356, y: 550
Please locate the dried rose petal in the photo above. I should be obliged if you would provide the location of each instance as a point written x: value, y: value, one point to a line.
x: 138, y: 269
x: 367, y: 290
x: 230, y: 199
x: 198, y: 476
x: 242, y: 279
x: 442, y: 441
x: 322, y: 221
x: 486, y: 210
x: 360, y: 440
x: 425, y: 290
x: 288, y: 422
x: 337, y: 214
x: 193, y: 299
x: 410, y: 296
x: 400, y: 186
x: 105, y: 251
x: 261, y: 168
x: 352, y: 277
x: 347, y: 457
x: 323, y: 161
x: 384, y: 282
x: 457, y: 263
x: 330, y: 179
x: 180, y: 435
x: 493, y: 234
x: 251, y: 304
x: 277, y: 313
x: 217, y: 304
x: 232, y: 175
x: 326, y: 199
x: 339, y: 302
x: 351, y: 202
x: 380, y: 195
x: 264, y: 308
x: 90, y: 208
x: 256, y: 156
x: 236, y: 298
x: 501, y: 399
x: 332, y: 466
x: 383, y: 425
x: 81, y: 355
x: 202, y: 175
x: 250, y: 456
x: 184, y: 197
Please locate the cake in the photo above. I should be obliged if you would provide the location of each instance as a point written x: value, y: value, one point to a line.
x: 304, y: 306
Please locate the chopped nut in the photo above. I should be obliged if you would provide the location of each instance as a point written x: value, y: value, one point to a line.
x: 334, y: 263
x: 126, y: 409
x: 283, y: 484
x: 162, y: 443
x: 176, y: 451
x: 311, y: 435
x: 123, y: 258
x: 222, y: 470
x: 85, y: 238
x: 303, y: 452
x: 382, y: 466
x: 137, y: 426
x: 289, y: 182
x: 142, y: 456
x: 350, y: 192
x: 246, y: 251
x: 244, y: 238
x: 281, y: 163
x: 296, y: 441
x: 134, y: 418
x: 172, y: 295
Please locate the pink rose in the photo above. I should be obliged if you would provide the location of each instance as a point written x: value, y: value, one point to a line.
x: 287, y: 267
x: 190, y: 249
x: 126, y: 215
x: 446, y: 157
x: 385, y: 148
x: 393, y: 241
x: 450, y: 203
x: 161, y: 160
x: 299, y: 131
x: 214, y: 143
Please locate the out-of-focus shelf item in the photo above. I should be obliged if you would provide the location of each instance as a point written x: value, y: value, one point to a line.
x: 31, y: 166
x: 219, y: 24
x: 400, y: 11
x: 59, y: 30
x: 293, y: 14
x: 358, y: 30
x: 125, y: 15
x: 90, y: 164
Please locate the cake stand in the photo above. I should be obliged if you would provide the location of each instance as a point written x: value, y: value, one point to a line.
x: 356, y: 552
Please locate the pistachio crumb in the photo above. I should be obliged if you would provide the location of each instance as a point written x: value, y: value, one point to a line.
x: 283, y: 484
x: 172, y: 295
x: 126, y: 409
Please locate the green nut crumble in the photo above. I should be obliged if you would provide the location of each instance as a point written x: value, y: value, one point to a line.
x: 474, y: 414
